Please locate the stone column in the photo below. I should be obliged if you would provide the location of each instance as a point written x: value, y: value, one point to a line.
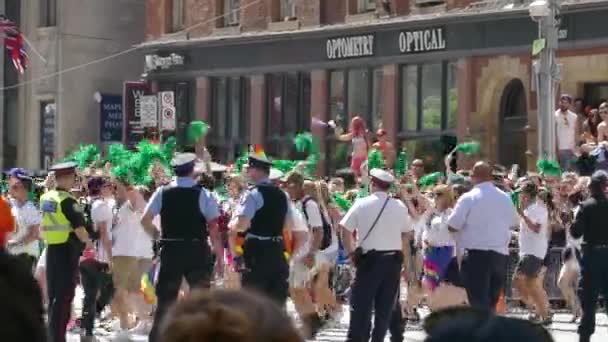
x: 319, y: 103
x: 257, y: 119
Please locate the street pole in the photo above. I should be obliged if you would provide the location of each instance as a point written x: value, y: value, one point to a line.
x: 548, y: 82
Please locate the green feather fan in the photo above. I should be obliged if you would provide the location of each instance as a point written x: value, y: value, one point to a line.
x: 168, y: 150
x: 515, y: 198
x: 430, y: 179
x: 284, y: 166
x: 241, y: 161
x: 472, y: 147
x: 118, y: 154
x: 197, y: 130
x: 401, y: 164
x: 548, y: 168
x: 84, y: 156
x: 375, y: 160
x: 342, y: 202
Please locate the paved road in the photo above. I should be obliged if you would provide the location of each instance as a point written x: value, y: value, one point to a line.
x: 561, y: 330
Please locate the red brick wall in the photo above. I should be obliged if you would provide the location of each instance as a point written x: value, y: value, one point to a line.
x: 203, y: 13
x: 309, y: 12
x: 333, y: 11
x: 451, y: 4
x: 157, y: 20
x: 401, y: 7
x: 254, y: 17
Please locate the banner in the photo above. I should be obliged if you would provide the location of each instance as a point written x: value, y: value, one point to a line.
x: 132, y: 92
x: 48, y: 117
x: 111, y: 122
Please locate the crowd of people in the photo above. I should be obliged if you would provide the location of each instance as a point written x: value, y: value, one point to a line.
x: 144, y: 246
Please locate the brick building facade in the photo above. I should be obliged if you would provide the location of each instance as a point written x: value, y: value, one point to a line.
x: 431, y: 73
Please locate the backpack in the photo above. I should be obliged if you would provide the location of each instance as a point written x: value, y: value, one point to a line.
x: 88, y: 221
x: 326, y: 242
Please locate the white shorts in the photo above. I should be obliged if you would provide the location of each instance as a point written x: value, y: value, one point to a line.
x: 299, y: 275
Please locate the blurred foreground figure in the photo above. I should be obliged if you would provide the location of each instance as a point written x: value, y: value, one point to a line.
x: 460, y: 324
x: 227, y: 316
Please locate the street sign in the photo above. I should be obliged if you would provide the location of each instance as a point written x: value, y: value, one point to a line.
x: 149, y: 111
x: 167, y: 110
x: 111, y: 122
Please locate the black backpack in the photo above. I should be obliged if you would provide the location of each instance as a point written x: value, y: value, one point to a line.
x: 88, y: 220
x: 326, y: 242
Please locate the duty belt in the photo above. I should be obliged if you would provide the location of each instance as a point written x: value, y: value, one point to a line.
x: 264, y: 238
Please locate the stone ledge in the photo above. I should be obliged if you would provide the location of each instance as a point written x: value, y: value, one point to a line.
x: 227, y: 31
x: 290, y: 25
x: 439, y: 8
x: 365, y: 16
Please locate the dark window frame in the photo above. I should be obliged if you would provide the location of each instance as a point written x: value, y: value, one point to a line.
x: 420, y: 131
x: 226, y: 141
x: 47, y: 13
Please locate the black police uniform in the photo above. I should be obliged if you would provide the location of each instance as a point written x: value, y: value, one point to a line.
x: 590, y: 223
x: 62, y: 272
x: 266, y: 268
x: 184, y: 252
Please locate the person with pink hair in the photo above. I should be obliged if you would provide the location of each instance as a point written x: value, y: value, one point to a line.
x: 357, y: 135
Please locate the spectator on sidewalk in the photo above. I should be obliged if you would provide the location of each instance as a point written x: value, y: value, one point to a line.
x: 568, y: 128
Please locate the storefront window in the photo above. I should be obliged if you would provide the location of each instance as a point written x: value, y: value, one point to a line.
x: 377, y: 100
x: 337, y: 99
x: 288, y: 112
x: 452, y: 89
x: 358, y: 92
x: 230, y: 104
x: 409, y: 98
x: 431, y: 96
x: 429, y: 111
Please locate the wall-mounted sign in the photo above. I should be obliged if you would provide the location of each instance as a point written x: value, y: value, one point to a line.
x: 167, y: 110
x: 350, y: 47
x: 110, y: 115
x: 48, y: 116
x: 432, y: 39
x: 155, y: 62
x: 149, y: 111
x: 132, y: 93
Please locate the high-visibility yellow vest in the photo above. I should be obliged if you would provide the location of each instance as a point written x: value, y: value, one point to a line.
x: 56, y: 228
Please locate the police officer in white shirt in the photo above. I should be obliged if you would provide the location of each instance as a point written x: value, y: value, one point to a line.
x: 483, y: 218
x: 384, y: 228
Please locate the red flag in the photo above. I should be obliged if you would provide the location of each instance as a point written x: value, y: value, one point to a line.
x: 14, y: 42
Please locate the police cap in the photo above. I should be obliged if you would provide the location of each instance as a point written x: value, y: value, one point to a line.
x: 63, y: 169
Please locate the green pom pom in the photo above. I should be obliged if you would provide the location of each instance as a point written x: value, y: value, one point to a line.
x: 241, y: 161
x: 515, y: 198
x: 197, y: 130
x: 168, y: 149
x: 401, y: 164
x: 549, y: 168
x: 468, y: 148
x: 342, y: 202
x: 118, y: 154
x: 303, y: 142
x: 375, y: 160
x: 284, y: 166
x: 84, y: 156
x: 430, y: 179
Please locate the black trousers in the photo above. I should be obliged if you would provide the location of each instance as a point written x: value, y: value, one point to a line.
x: 28, y: 260
x: 178, y: 260
x: 267, y: 270
x: 484, y: 275
x: 61, y: 276
x: 96, y: 282
x: 376, y: 287
x: 594, y: 274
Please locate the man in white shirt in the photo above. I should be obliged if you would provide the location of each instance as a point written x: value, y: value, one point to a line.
x: 24, y: 241
x: 567, y: 132
x: 533, y: 245
x: 95, y: 276
x: 482, y: 219
x: 384, y: 227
